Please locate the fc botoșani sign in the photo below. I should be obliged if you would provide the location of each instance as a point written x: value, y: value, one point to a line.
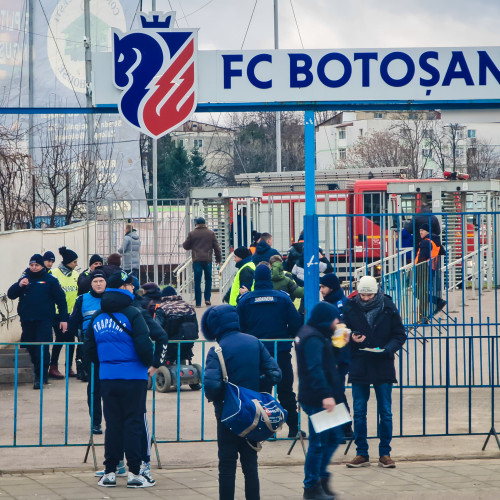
x: 159, y: 77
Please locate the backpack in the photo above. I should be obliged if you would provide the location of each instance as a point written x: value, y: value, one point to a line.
x: 253, y: 415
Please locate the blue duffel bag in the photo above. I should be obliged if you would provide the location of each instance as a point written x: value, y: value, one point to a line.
x: 253, y: 415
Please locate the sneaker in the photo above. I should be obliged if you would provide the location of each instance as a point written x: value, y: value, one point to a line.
x: 138, y: 481
x: 146, y: 472
x: 387, y: 462
x: 208, y: 303
x: 358, y: 461
x: 107, y: 480
x: 121, y: 471
x: 97, y: 429
x: 294, y: 433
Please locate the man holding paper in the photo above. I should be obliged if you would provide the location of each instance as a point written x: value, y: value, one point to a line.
x: 319, y: 389
x: 377, y: 334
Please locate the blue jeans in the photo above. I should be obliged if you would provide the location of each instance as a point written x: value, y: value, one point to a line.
x: 199, y: 268
x: 360, y: 397
x: 321, y: 448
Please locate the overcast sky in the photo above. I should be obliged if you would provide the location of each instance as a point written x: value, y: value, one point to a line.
x: 339, y: 24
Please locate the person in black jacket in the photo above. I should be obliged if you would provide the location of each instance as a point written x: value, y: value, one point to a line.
x: 270, y: 314
x: 320, y: 389
x: 84, y: 280
x: 424, y: 217
x: 118, y: 339
x: 39, y: 293
x: 249, y: 365
x: 376, y: 325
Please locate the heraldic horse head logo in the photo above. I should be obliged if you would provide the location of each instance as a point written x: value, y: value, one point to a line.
x: 155, y: 68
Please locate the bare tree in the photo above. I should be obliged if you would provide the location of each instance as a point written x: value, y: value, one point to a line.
x: 15, y: 180
x: 69, y: 170
x: 483, y: 160
x: 375, y: 150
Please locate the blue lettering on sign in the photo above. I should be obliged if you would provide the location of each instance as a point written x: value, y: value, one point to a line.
x: 485, y: 63
x: 228, y: 70
x: 410, y: 69
x: 429, y: 68
x: 334, y: 56
x: 457, y: 59
x: 303, y: 69
x: 251, y: 71
x: 365, y: 65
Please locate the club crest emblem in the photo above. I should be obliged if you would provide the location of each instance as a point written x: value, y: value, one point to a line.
x: 155, y: 68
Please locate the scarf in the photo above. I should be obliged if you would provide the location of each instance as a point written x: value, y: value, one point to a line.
x: 371, y: 308
x: 65, y: 270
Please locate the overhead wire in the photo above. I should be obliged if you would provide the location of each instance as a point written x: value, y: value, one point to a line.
x: 296, y: 23
x: 195, y: 11
x: 249, y: 23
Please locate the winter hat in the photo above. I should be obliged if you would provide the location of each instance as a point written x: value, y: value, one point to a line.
x: 37, y: 259
x: 242, y: 252
x: 199, y: 220
x: 330, y: 281
x: 48, y: 255
x: 425, y: 227
x: 115, y: 259
x: 150, y: 287
x: 322, y: 316
x: 97, y: 274
x: 262, y: 273
x: 367, y: 284
x: 95, y: 258
x: 168, y: 291
x: 118, y: 279
x: 67, y: 255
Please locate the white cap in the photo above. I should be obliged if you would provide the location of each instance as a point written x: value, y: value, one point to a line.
x: 367, y: 284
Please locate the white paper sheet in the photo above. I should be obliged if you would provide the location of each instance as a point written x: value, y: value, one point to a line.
x: 326, y: 420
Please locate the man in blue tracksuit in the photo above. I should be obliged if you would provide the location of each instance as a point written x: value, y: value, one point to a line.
x: 248, y: 365
x: 270, y: 314
x: 118, y: 339
x: 39, y: 293
x: 86, y: 306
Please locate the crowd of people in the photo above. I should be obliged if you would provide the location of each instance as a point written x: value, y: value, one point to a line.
x: 125, y: 330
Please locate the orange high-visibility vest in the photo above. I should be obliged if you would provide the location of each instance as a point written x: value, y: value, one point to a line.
x: 434, y: 254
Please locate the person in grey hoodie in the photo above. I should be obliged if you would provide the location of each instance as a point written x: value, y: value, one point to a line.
x: 130, y: 250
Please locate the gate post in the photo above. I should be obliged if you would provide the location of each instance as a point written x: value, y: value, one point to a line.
x: 311, y: 243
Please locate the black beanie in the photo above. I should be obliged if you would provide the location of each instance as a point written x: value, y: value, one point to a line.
x: 330, y: 281
x: 425, y: 227
x: 97, y: 274
x: 95, y: 258
x: 168, y: 291
x: 242, y: 252
x: 48, y: 255
x: 150, y: 286
x: 37, y: 259
x: 67, y: 255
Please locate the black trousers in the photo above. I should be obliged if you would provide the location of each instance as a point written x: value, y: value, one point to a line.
x: 230, y: 445
x: 56, y: 349
x: 124, y: 405
x: 97, y: 393
x: 37, y: 331
x: 286, y: 396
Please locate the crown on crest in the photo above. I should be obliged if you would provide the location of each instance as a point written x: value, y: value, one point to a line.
x: 157, y: 19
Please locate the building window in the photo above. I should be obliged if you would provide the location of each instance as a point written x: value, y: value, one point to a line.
x: 198, y: 143
x: 427, y: 153
x: 342, y: 154
x: 378, y: 115
x: 181, y: 143
x: 413, y: 116
x: 459, y: 152
x: 360, y: 132
x: 471, y: 133
x: 427, y: 133
x: 341, y: 133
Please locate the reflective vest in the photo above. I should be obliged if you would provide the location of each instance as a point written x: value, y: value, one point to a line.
x: 235, y: 288
x: 69, y: 286
x: 434, y: 253
x: 90, y: 305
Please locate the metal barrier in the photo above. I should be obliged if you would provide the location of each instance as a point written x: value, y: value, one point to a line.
x: 226, y: 275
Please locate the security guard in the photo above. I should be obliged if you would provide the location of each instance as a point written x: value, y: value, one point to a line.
x: 244, y: 276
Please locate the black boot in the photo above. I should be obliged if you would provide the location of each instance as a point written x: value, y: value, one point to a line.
x: 325, y: 485
x: 36, y: 380
x: 316, y: 493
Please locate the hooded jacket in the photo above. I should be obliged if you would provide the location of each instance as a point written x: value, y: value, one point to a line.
x: 316, y: 363
x: 38, y: 299
x: 120, y: 355
x: 203, y: 243
x: 294, y: 256
x: 285, y: 283
x: 263, y: 251
x: 130, y: 249
x: 424, y: 217
x: 247, y: 361
x: 269, y: 314
x: 388, y: 333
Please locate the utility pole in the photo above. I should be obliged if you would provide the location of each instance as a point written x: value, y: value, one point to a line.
x: 155, y: 197
x: 278, y: 113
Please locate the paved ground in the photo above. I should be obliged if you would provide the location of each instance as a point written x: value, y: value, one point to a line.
x: 465, y: 479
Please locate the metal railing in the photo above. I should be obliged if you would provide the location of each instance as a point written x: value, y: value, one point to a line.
x: 226, y: 274
x: 389, y: 264
x: 184, y: 278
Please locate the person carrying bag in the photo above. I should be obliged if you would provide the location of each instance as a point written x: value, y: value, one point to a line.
x: 248, y: 366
